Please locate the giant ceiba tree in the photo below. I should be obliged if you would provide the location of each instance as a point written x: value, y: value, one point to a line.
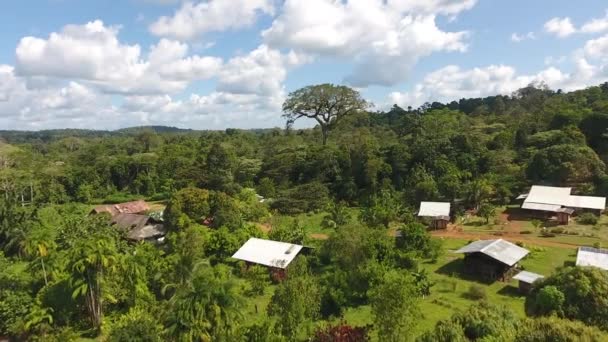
x: 326, y: 103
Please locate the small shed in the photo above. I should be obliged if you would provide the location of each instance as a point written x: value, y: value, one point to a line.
x: 563, y: 215
x: 526, y: 279
x: 492, y: 259
x: 439, y: 212
x: 275, y: 255
x: 589, y: 256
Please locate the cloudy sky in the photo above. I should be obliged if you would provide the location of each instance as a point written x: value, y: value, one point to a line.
x: 216, y: 64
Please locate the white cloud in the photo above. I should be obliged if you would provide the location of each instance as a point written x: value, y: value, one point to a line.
x: 561, y: 27
x: 193, y: 20
x: 452, y: 82
x: 384, y: 38
x: 262, y: 71
x: 597, y: 48
x: 93, y: 54
x: 521, y: 37
x: 596, y: 25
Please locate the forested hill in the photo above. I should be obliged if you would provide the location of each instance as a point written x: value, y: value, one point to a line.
x: 494, y: 146
x: 349, y: 188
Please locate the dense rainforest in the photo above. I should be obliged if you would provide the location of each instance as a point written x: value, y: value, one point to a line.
x: 66, y: 275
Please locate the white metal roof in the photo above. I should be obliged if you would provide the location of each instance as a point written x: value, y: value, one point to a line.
x: 522, y: 196
x: 550, y: 198
x: 528, y: 277
x: 434, y: 209
x: 501, y: 250
x: 541, y: 206
x: 588, y: 256
x: 587, y: 202
x: 548, y: 195
x: 268, y: 252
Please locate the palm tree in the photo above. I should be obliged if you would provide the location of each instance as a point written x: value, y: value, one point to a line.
x: 37, y: 245
x: 205, y: 308
x: 89, y: 259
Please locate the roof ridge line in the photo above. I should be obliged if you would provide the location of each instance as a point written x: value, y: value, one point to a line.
x: 493, y: 242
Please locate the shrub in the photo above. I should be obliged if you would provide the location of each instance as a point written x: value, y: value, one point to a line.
x: 476, y: 292
x: 546, y: 233
x: 558, y: 230
x: 341, y: 332
x: 587, y: 218
x: 525, y: 232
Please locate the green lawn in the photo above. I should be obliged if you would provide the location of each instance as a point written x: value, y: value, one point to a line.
x: 448, y: 293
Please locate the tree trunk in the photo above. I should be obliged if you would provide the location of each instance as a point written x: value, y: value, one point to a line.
x: 324, y: 132
x: 46, y: 282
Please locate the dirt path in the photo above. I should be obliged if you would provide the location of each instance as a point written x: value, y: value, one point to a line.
x: 319, y: 236
x: 507, y: 236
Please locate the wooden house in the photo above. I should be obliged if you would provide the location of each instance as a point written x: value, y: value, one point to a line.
x: 558, y: 202
x: 139, y: 227
x: 492, y: 259
x: 134, y: 207
x: 275, y: 255
x: 439, y: 212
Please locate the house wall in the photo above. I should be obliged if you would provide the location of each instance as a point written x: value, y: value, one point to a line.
x: 487, y: 268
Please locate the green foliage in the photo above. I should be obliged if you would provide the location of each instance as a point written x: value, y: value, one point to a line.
x: 302, y: 198
x: 487, y: 211
x: 394, y: 306
x: 557, y: 330
x: 206, y: 307
x: 587, y: 218
x: 477, y: 292
x: 225, y: 212
x: 572, y: 292
x: 295, y: 303
x: 326, y: 103
x: 381, y: 210
x: 294, y: 233
x: 136, y: 325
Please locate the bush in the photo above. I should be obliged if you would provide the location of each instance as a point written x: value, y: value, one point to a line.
x: 587, y: 218
x: 558, y: 230
x: 476, y: 292
x: 546, y: 233
x: 341, y: 332
x: 525, y: 232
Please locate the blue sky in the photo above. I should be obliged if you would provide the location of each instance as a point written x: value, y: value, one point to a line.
x: 230, y: 63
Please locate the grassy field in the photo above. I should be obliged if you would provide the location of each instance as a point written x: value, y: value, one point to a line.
x: 449, y: 291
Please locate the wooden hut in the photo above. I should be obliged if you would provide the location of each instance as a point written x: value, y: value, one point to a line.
x: 439, y: 212
x: 275, y: 255
x: 492, y: 259
x: 526, y: 280
x: 563, y: 215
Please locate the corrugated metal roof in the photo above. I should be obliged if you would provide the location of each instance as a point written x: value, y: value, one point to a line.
x: 587, y: 202
x: 522, y: 196
x: 147, y: 232
x: 133, y: 207
x: 528, y: 277
x: 588, y: 256
x: 501, y: 250
x: 434, y: 209
x: 267, y: 252
x: 541, y: 206
x: 548, y: 195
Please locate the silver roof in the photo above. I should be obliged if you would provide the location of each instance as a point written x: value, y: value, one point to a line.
x: 528, y: 277
x: 434, y: 209
x: 588, y: 256
x: 548, y: 195
x: 501, y: 250
x: 267, y: 252
x: 550, y: 198
x: 541, y: 206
